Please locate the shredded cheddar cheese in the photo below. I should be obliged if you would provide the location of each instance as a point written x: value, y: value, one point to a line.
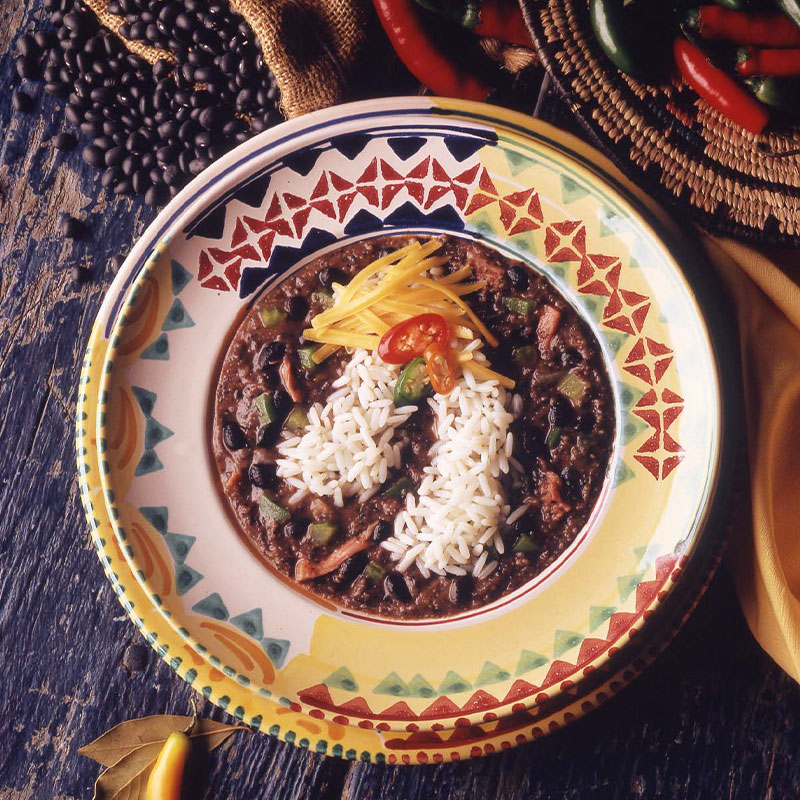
x: 394, y: 288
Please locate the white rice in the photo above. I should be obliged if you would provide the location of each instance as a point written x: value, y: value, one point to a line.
x: 346, y: 448
x: 460, y: 506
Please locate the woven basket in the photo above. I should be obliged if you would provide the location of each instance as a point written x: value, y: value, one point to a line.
x: 669, y: 141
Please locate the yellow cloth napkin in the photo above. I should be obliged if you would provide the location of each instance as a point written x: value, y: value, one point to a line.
x: 766, y: 564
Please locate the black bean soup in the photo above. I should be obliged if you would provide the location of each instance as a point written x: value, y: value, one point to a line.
x: 562, y: 436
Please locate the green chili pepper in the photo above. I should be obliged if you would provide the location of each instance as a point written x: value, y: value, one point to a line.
x: 573, y: 387
x: 525, y: 544
x: 635, y: 36
x: 272, y: 316
x: 272, y: 510
x: 399, y: 488
x: 553, y: 436
x: 413, y: 385
x: 297, y: 420
x: 782, y: 94
x: 266, y: 409
x: 523, y: 306
x: 305, y: 355
x: 525, y: 356
x: 374, y: 572
x: 322, y: 532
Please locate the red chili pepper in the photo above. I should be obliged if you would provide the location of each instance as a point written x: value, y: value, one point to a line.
x: 718, y: 89
x: 504, y: 21
x: 408, y: 339
x: 780, y: 63
x: 767, y: 30
x: 427, y: 64
x: 440, y: 369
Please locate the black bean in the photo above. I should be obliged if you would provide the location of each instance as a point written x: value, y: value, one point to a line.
x: 353, y: 567
x: 22, y: 102
x: 111, y: 176
x: 115, y: 156
x: 571, y: 357
x: 268, y: 435
x: 44, y: 40
x: 91, y: 128
x: 123, y: 187
x: 296, y: 307
x: 81, y: 274
x: 171, y: 175
x: 27, y: 67
x: 233, y: 437
x: 167, y: 154
x: 395, y: 586
x: 116, y: 263
x: 586, y: 422
x: 461, y: 589
x: 561, y: 412
x: 203, y: 139
x: 140, y: 181
x: 330, y: 275
x: 383, y: 530
x: 197, y: 165
x: 211, y: 117
x: 136, y: 142
x: 283, y: 403
x: 64, y: 141
x: 56, y: 89
x: 262, y: 475
x: 162, y: 67
x: 271, y: 353
x: 129, y: 165
x: 71, y: 228
x: 103, y: 142
x: 26, y: 46
x: 518, y: 278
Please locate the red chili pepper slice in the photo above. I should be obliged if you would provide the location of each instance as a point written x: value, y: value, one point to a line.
x: 440, y: 369
x: 408, y: 339
x: 779, y: 63
x: 428, y: 65
x: 741, y: 27
x: 718, y: 89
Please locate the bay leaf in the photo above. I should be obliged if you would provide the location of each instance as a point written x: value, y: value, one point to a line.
x: 120, y: 740
x: 127, y: 779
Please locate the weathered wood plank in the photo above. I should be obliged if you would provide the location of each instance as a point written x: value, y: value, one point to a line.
x: 713, y: 718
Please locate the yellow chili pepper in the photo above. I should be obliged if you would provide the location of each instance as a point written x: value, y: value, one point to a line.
x: 165, y: 779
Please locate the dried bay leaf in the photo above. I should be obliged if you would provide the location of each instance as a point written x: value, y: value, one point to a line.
x: 116, y: 743
x: 127, y: 779
x: 130, y: 749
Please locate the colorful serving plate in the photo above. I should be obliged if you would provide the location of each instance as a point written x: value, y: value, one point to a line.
x: 210, y: 606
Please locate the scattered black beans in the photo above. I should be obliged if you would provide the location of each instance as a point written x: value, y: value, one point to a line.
x: 22, y: 102
x: 81, y: 274
x: 64, y: 141
x: 116, y: 263
x: 120, y: 100
x: 561, y: 412
x: 233, y: 436
x: 461, y: 590
x: 71, y: 228
x: 261, y: 475
x: 518, y: 278
x: 396, y: 587
x: 296, y: 307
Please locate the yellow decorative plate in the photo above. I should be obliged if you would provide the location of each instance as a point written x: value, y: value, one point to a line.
x: 207, y: 603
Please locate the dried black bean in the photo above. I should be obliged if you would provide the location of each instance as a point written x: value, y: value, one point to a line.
x: 71, y: 228
x: 81, y: 274
x: 116, y: 263
x: 461, y: 589
x: 395, y: 586
x: 64, y: 141
x: 271, y: 353
x: 27, y: 67
x: 22, y: 102
x: 268, y: 435
x: 233, y: 437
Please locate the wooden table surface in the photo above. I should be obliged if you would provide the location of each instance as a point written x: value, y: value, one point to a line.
x: 713, y: 718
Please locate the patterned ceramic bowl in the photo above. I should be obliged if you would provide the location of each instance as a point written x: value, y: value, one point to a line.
x: 277, y: 201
